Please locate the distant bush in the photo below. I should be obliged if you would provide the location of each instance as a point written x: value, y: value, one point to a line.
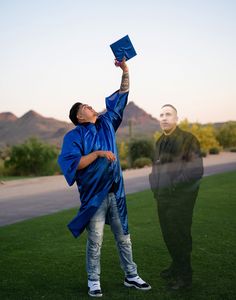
x: 142, y: 162
x: 5, y: 171
x: 233, y: 150
x: 203, y: 153
x: 1, y: 167
x: 226, y: 134
x: 141, y: 148
x: 214, y: 150
x: 124, y: 164
x: 32, y: 158
x: 205, y: 134
x: 123, y: 150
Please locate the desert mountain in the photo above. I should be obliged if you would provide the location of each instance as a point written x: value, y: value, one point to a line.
x: 13, y: 130
x: 137, y: 123
x: 31, y: 124
x: 7, y: 117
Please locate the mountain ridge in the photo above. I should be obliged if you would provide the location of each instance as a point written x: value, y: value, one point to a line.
x: 14, y: 130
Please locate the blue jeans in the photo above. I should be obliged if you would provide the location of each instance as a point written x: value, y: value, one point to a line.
x: 95, y: 228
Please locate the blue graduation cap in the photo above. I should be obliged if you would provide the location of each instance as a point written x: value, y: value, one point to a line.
x: 123, y: 48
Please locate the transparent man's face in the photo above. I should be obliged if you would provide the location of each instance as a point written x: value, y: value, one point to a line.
x: 168, y: 118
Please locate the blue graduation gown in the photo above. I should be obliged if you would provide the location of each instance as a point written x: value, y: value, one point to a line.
x: 95, y: 181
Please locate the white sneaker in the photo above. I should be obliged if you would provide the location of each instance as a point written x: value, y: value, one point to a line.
x: 94, y: 288
x: 137, y: 282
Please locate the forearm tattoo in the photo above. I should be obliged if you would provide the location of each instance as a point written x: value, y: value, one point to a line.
x: 124, y: 86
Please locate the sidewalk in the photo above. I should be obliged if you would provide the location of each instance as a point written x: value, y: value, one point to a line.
x: 28, y: 198
x: 210, y: 160
x: 38, y: 185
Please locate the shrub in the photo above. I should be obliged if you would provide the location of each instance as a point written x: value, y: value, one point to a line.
x: 214, y: 150
x: 124, y: 164
x: 32, y: 158
x: 123, y: 150
x: 233, y: 150
x: 205, y: 134
x: 1, y: 167
x: 227, y: 134
x: 203, y: 153
x: 142, y: 162
x: 141, y: 148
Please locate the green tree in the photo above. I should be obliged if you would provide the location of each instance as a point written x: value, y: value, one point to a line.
x: 32, y: 158
x: 206, y: 134
x: 226, y: 135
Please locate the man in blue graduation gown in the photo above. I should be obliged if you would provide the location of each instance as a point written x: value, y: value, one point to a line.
x: 89, y: 157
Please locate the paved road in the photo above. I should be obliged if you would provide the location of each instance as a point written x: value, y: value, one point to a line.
x: 28, y: 198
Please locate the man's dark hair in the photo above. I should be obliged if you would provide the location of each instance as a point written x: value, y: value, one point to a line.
x: 73, y: 113
x: 170, y: 106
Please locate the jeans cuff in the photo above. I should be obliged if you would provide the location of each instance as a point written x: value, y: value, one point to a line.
x: 131, y: 275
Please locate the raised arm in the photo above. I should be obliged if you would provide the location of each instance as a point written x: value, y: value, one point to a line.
x: 124, y: 86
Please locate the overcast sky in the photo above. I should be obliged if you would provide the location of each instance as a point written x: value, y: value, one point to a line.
x: 55, y: 53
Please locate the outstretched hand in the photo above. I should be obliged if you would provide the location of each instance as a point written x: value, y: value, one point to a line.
x: 122, y: 64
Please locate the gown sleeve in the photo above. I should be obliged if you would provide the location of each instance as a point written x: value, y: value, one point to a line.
x: 70, y: 156
x: 115, y: 105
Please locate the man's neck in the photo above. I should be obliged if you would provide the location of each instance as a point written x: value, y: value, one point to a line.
x: 93, y: 121
x: 166, y: 133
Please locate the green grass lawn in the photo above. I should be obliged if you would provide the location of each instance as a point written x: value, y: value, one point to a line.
x: 39, y: 258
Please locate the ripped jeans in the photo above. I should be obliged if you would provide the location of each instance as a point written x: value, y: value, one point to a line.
x: 95, y: 228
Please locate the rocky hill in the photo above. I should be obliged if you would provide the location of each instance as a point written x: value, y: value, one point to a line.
x: 13, y: 130
x: 17, y: 130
